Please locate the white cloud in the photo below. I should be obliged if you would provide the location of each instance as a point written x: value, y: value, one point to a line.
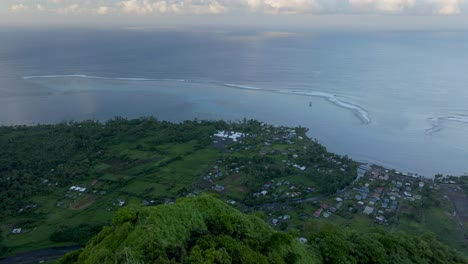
x: 103, y: 10
x: 239, y: 7
x: 383, y: 6
x: 446, y: 7
x: 172, y: 6
x: 284, y: 6
x: 18, y: 8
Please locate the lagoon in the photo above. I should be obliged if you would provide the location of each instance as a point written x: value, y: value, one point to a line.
x: 397, y: 99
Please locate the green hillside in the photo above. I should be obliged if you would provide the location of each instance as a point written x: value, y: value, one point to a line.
x: 193, y: 230
x: 205, y: 230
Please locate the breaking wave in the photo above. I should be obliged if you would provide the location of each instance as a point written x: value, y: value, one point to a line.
x: 356, y: 109
x: 98, y: 77
x: 339, y: 101
x: 437, y: 123
x: 360, y: 112
x: 64, y: 76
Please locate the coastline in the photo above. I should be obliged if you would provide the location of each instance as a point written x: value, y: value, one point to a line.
x: 36, y: 256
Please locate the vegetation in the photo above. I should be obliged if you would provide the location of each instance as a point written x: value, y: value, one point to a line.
x: 123, y: 164
x: 193, y: 230
x: 80, y: 234
x: 145, y: 161
x: 206, y: 230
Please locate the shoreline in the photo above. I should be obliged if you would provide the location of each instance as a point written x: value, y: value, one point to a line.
x: 36, y: 256
x: 309, y: 134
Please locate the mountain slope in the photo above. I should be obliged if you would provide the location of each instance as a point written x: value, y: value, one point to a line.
x: 193, y: 230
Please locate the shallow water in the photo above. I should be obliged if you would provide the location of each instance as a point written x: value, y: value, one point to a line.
x: 397, y: 99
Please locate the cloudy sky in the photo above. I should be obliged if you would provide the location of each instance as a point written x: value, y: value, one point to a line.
x: 302, y: 13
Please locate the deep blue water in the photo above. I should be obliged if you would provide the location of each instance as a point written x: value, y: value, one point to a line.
x: 395, y: 98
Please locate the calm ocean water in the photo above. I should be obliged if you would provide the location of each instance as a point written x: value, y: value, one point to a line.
x: 398, y: 99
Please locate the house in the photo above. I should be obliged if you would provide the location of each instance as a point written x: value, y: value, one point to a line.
x: 218, y: 188
x: 384, y: 177
x: 368, y: 210
x: 121, y: 202
x: 302, y: 168
x: 263, y: 192
x: 318, y: 212
x: 380, y: 218
x: 274, y: 221
x: 16, y: 231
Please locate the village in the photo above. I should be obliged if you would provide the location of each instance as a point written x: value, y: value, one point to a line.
x: 377, y: 193
x: 279, y: 172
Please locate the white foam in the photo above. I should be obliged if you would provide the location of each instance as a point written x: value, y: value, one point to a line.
x: 243, y: 86
x: 134, y: 79
x: 359, y: 111
x: 437, y: 122
x: 98, y: 77
x: 64, y: 76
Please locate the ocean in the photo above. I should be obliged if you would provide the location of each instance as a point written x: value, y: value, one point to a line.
x: 398, y: 99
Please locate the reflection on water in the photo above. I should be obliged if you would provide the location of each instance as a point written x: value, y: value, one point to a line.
x: 407, y: 148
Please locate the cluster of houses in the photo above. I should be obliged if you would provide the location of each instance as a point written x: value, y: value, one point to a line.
x: 377, y: 201
x: 326, y: 211
x: 27, y: 208
x: 77, y: 188
x: 281, y: 188
x: 228, y: 135
x: 275, y: 221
